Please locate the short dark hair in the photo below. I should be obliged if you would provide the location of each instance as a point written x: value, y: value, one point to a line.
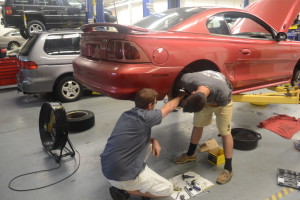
x: 195, y: 102
x: 144, y: 97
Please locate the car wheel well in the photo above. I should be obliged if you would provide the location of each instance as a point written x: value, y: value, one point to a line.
x: 200, y: 65
x: 296, y: 75
x: 36, y: 17
x: 297, y: 66
x: 69, y: 74
x: 196, y: 66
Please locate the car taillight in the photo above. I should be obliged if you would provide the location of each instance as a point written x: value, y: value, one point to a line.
x: 119, y: 50
x: 124, y: 51
x: 27, y: 65
x: 130, y: 51
x: 8, y: 10
x: 110, y: 50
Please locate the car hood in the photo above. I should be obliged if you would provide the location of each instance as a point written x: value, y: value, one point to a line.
x: 277, y: 13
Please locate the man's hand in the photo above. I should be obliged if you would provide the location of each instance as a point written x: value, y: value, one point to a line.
x: 155, y: 148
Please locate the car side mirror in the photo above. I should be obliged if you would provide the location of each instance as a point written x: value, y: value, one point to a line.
x: 281, y: 36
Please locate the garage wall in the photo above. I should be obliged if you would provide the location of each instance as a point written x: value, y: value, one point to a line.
x: 132, y: 10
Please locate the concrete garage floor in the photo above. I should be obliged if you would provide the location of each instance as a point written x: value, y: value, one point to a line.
x: 21, y: 152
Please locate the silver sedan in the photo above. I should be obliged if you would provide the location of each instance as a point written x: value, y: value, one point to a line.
x: 11, y: 40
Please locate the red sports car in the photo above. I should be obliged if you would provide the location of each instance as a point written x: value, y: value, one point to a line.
x: 250, y: 47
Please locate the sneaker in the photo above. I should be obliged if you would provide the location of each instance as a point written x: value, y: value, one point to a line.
x: 224, y: 177
x: 185, y: 158
x: 118, y: 194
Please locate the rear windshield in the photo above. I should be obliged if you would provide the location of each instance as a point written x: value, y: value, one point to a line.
x: 28, y: 45
x: 64, y: 44
x: 165, y: 20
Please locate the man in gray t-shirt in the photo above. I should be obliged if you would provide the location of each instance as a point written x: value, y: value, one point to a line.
x: 211, y: 94
x: 123, y: 157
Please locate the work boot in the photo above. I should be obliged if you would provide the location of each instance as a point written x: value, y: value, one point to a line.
x: 224, y: 177
x: 118, y: 194
x: 185, y: 158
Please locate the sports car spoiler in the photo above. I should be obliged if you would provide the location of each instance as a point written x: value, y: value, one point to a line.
x: 105, y: 26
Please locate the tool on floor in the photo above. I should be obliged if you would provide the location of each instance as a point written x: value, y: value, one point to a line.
x: 186, y: 176
x: 288, y: 178
x: 195, y: 185
x: 177, y: 188
x: 192, y: 187
x: 188, y: 191
x: 177, y: 195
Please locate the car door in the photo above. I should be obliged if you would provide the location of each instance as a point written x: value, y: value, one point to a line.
x: 259, y: 57
x: 74, y: 13
x: 52, y: 11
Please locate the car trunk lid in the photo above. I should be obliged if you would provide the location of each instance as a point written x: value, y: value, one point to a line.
x: 96, y: 38
x: 279, y: 14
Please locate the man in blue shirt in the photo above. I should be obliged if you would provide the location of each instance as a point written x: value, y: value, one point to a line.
x: 123, y: 159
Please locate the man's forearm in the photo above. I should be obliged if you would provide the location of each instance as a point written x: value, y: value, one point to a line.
x: 173, y: 103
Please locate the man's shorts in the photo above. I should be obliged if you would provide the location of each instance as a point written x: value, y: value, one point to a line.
x: 223, y: 117
x: 147, y: 181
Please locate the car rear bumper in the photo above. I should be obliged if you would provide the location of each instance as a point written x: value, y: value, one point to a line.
x: 34, y: 86
x: 122, y: 80
x: 12, y: 21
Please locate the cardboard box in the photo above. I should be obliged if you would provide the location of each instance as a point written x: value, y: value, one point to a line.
x: 215, y: 153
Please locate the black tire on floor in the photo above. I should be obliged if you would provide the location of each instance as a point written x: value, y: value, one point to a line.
x: 80, y: 120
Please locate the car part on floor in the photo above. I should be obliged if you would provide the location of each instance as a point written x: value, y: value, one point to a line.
x: 245, y: 139
x: 68, y: 90
x: 80, y: 120
x: 284, y: 95
x: 288, y: 178
x: 53, y: 126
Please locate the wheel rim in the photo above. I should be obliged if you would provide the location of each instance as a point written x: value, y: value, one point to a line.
x: 34, y: 28
x: 14, y: 46
x: 70, y: 90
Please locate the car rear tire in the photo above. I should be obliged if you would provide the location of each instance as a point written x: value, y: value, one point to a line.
x: 13, y: 45
x: 24, y: 33
x: 80, y: 120
x: 296, y: 78
x: 35, y: 26
x: 68, y: 90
